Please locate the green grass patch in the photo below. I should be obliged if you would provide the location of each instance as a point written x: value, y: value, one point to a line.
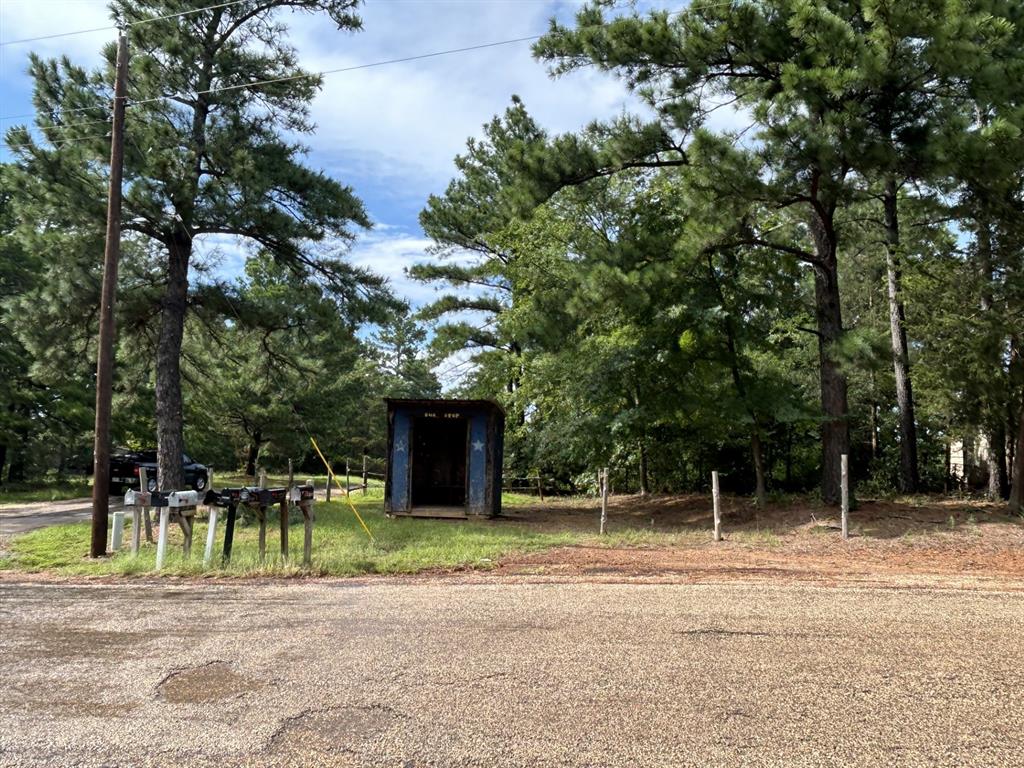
x: 340, y: 546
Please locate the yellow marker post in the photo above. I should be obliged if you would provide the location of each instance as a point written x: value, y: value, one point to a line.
x: 330, y: 474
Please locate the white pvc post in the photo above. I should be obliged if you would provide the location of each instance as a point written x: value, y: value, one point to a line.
x: 117, y: 532
x: 844, y: 485
x: 210, y: 535
x: 161, y: 542
x: 717, y: 504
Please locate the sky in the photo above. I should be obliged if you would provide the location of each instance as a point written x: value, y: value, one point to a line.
x: 391, y: 131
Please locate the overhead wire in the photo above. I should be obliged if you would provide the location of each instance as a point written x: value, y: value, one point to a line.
x: 111, y: 27
x: 289, y: 78
x: 58, y: 142
x: 385, y: 62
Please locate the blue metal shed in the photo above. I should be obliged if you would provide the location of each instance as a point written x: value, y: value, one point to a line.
x: 444, y: 458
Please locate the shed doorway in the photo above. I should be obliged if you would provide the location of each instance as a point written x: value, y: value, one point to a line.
x: 439, y: 461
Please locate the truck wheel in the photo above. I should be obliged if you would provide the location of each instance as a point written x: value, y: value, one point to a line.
x: 200, y: 483
x: 151, y: 484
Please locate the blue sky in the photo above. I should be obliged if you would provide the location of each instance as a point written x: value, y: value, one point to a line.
x: 390, y: 132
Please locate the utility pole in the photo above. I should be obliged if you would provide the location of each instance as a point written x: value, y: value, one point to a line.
x: 105, y: 352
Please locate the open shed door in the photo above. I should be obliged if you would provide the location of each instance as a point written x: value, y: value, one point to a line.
x: 439, y: 447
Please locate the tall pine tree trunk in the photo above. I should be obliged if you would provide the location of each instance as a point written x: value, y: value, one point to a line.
x: 1017, y: 490
x: 835, y: 430
x: 169, y: 425
x: 998, y: 484
x: 19, y: 453
x: 789, y: 456
x: 644, y: 479
x: 909, y: 478
x: 253, y: 453
x: 1015, y: 424
x: 757, y: 454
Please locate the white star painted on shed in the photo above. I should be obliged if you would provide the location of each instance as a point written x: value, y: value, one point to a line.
x: 400, y: 446
x: 478, y: 446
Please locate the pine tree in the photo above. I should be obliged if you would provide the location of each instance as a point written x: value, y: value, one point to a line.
x: 215, y: 97
x: 805, y: 73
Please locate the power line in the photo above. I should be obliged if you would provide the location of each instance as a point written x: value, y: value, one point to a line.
x: 68, y: 126
x: 288, y: 78
x: 184, y: 13
x: 114, y: 26
x: 188, y: 13
x: 59, y: 142
x: 338, y: 70
x: 63, y: 112
x: 55, y: 36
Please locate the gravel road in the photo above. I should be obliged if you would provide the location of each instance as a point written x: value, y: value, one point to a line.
x: 487, y: 672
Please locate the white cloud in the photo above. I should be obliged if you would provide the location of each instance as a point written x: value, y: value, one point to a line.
x: 412, y: 118
x: 20, y: 19
x: 389, y: 251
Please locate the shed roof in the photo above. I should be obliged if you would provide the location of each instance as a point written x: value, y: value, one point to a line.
x: 444, y: 403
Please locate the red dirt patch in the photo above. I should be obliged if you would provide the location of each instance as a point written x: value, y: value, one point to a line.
x: 671, y: 535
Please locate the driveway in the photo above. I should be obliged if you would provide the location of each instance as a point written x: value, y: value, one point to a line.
x: 19, y: 518
x: 488, y: 672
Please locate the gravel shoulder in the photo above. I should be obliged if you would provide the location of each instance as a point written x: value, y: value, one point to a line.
x: 504, y: 670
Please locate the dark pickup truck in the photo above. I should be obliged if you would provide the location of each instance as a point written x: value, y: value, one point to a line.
x: 124, y: 471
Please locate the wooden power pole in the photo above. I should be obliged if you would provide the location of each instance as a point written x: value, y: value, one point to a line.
x: 105, y: 352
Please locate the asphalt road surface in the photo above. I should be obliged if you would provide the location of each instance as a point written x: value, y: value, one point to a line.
x: 19, y: 518
x: 485, y: 672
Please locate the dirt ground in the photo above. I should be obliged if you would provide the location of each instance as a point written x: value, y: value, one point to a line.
x: 957, y: 540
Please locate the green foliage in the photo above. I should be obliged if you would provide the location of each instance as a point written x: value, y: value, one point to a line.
x: 206, y: 155
x: 668, y: 287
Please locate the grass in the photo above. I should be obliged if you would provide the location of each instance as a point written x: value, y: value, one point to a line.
x: 340, y: 546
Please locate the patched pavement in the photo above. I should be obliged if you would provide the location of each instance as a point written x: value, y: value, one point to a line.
x: 479, y: 672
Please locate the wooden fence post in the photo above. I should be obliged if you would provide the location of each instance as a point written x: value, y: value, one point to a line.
x: 144, y: 488
x: 330, y: 477
x: 604, y: 499
x: 844, y: 484
x: 347, y: 478
x: 263, y: 532
x: 365, y: 483
x: 307, y: 541
x: 717, y: 505
x: 136, y: 529
x: 284, y: 513
x: 540, y: 488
